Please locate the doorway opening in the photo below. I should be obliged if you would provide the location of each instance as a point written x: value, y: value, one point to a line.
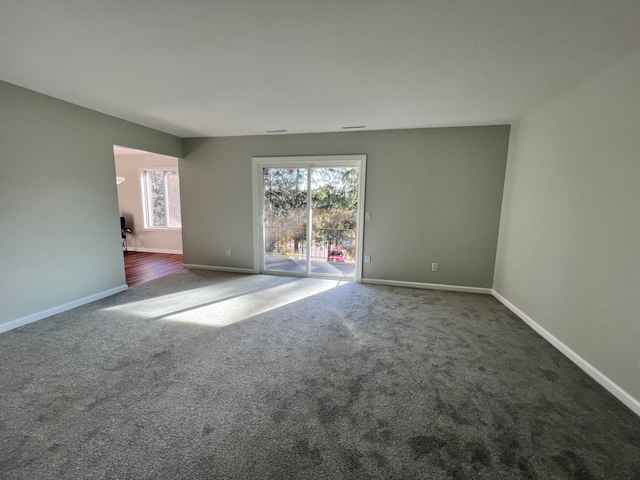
x: 308, y: 215
x: 148, y: 192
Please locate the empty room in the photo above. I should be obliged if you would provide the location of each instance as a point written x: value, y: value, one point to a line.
x: 400, y: 239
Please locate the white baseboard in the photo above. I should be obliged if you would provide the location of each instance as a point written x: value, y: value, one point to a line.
x: 428, y: 286
x: 154, y: 250
x: 593, y: 372
x: 192, y: 266
x: 34, y: 317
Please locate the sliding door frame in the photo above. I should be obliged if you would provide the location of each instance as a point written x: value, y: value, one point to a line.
x: 315, y: 161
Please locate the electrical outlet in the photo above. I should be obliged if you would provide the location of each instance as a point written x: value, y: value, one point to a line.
x: 227, y: 253
x: 434, y: 267
x: 367, y: 215
x: 367, y: 259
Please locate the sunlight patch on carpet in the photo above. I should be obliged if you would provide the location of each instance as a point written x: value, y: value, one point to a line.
x: 160, y: 305
x: 224, y: 304
x: 241, y: 307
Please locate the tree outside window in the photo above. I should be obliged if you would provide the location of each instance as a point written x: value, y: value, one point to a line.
x: 161, y: 199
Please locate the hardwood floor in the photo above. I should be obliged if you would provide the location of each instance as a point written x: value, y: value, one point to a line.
x: 141, y: 267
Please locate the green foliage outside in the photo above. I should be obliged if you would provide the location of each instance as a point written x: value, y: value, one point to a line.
x: 334, y: 202
x: 158, y: 199
x: 163, y: 211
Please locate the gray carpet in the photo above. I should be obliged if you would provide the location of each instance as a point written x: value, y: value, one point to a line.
x: 213, y: 375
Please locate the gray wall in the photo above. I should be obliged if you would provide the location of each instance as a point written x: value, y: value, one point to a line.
x: 60, y: 228
x: 568, y: 253
x: 435, y: 196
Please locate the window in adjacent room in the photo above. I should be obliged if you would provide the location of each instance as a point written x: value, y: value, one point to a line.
x: 161, y: 198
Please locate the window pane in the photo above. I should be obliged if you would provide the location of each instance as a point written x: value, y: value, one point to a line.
x: 158, y: 202
x: 173, y: 189
x: 162, y: 198
x: 285, y: 219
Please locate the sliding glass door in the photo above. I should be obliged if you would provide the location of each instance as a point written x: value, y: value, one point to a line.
x: 334, y: 220
x: 286, y: 214
x: 308, y: 216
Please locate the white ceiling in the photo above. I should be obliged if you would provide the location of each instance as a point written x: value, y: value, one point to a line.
x: 118, y: 150
x: 241, y: 67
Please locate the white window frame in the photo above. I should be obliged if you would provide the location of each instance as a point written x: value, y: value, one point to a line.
x: 145, y: 197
